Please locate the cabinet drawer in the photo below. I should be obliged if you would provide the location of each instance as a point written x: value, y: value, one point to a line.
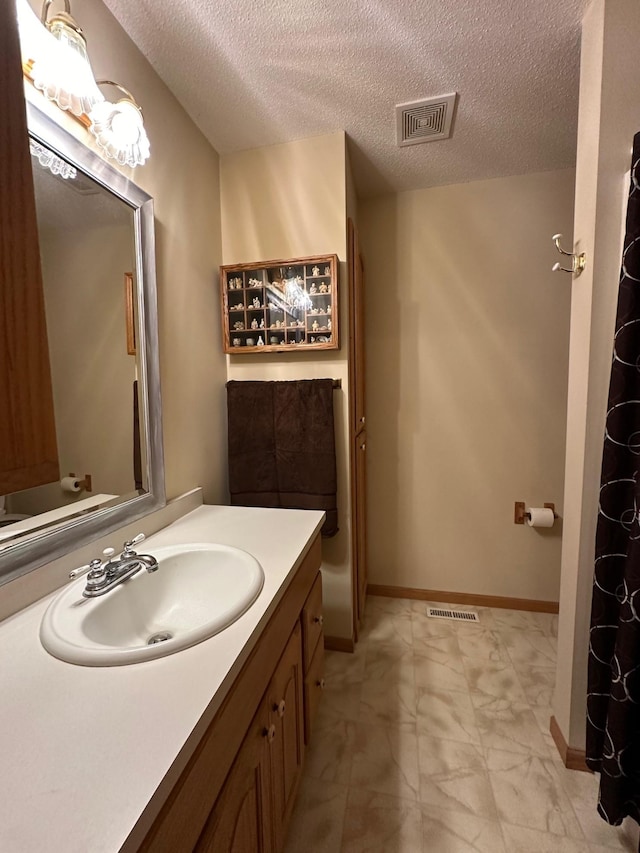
x: 312, y: 621
x: 313, y: 687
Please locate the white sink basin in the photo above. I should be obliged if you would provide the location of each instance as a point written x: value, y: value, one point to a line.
x: 197, y: 591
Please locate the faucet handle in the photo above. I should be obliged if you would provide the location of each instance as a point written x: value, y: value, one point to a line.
x: 128, y: 546
x: 82, y: 570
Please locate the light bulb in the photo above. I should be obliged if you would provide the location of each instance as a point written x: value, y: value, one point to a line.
x: 119, y: 132
x: 57, y: 55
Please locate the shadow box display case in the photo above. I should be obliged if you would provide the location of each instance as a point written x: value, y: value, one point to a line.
x: 279, y: 306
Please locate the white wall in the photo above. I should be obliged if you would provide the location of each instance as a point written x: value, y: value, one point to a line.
x: 608, y: 119
x: 289, y: 201
x: 467, y: 345
x: 92, y: 375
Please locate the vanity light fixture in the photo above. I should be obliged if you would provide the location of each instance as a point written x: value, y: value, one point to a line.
x: 60, y: 66
x: 55, y: 59
x: 119, y: 128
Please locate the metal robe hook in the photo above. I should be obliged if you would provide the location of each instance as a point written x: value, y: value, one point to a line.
x: 577, y: 260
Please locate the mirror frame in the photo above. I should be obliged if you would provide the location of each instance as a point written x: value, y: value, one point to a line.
x: 44, y: 545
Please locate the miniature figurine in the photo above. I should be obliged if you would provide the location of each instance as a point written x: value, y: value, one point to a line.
x: 315, y: 326
x: 329, y: 324
x: 274, y: 339
x: 272, y: 306
x: 262, y: 323
x: 313, y: 289
x: 260, y: 341
x: 238, y: 325
x: 237, y: 342
x: 238, y: 307
x: 315, y: 271
x: 313, y: 340
x: 328, y: 309
x: 254, y: 323
x: 251, y: 342
x: 256, y: 302
x: 254, y: 282
x: 327, y: 270
x: 300, y: 322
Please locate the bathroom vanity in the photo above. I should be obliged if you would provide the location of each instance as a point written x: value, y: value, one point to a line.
x: 200, y: 750
x: 197, y: 750
x: 238, y: 790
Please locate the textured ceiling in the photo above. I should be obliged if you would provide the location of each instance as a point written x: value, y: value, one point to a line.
x: 258, y: 72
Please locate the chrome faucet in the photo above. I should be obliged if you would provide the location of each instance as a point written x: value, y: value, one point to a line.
x: 105, y: 575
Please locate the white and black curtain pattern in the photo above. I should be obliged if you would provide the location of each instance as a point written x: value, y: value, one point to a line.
x: 613, y: 702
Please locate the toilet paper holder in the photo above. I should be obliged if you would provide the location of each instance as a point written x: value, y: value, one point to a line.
x: 86, y: 483
x: 520, y: 514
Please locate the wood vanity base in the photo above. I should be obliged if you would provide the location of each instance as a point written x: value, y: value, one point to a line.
x: 237, y: 791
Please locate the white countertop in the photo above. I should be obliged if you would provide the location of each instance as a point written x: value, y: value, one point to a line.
x: 46, y: 519
x: 83, y: 749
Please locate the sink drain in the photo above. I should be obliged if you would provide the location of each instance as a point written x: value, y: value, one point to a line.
x: 160, y: 637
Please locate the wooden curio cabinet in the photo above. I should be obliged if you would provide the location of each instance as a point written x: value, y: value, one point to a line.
x: 279, y: 306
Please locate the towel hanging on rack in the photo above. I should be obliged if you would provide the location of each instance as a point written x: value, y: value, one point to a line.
x: 281, y: 446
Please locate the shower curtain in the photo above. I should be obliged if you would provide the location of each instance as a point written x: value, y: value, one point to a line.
x: 613, y: 701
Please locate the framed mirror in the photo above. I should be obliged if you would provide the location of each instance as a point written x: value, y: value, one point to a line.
x: 97, y: 251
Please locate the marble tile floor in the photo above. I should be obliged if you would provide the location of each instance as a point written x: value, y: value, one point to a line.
x: 433, y: 737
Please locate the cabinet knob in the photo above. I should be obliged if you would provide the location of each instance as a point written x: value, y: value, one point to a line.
x: 363, y: 446
x: 280, y: 707
x: 320, y: 683
x: 270, y: 733
x: 319, y: 620
x: 362, y: 419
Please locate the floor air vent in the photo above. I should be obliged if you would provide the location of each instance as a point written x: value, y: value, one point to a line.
x: 456, y: 615
x: 426, y: 120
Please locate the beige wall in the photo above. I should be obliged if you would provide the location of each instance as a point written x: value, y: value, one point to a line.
x: 352, y: 197
x: 467, y: 345
x: 288, y: 201
x: 182, y: 175
x: 85, y: 310
x: 608, y: 119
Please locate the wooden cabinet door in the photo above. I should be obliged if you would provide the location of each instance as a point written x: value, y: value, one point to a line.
x: 312, y: 622
x: 313, y: 687
x: 355, y: 266
x: 360, y: 486
x: 241, y: 820
x: 285, y: 698
x: 28, y: 448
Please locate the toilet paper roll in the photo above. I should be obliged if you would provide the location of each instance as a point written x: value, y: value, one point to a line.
x: 70, y: 484
x: 540, y: 517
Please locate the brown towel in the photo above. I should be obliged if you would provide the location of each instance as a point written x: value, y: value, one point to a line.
x: 282, y: 446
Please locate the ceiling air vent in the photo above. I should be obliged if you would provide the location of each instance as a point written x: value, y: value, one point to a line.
x: 425, y: 121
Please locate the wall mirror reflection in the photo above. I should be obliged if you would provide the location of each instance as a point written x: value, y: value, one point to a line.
x: 95, y: 233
